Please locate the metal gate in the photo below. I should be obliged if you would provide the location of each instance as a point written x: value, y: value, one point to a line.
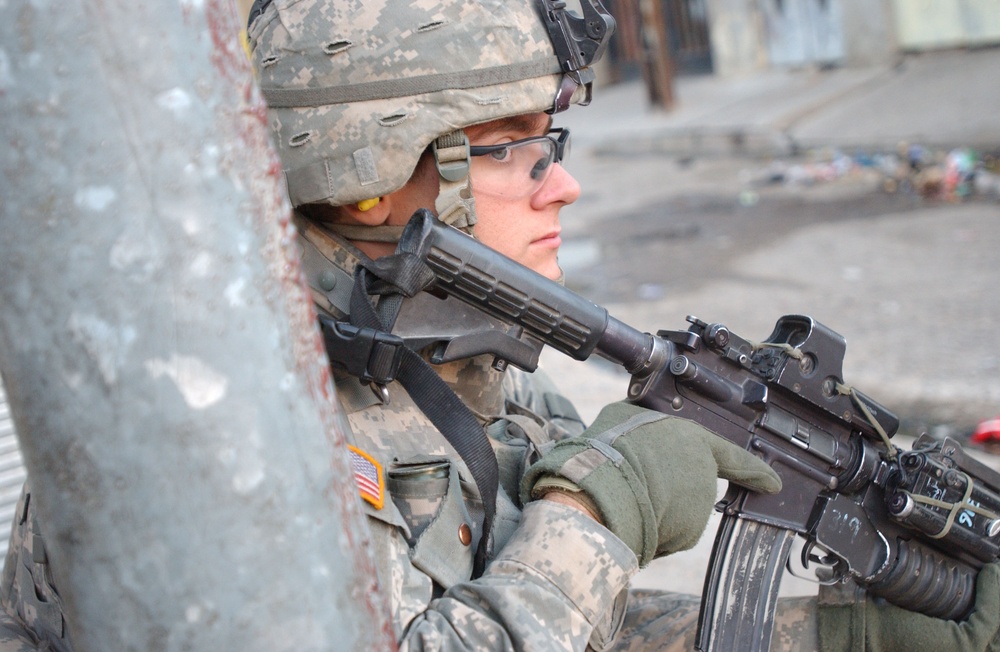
x: 687, y: 29
x: 683, y: 24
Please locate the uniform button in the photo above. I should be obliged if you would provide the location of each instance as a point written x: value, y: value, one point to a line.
x: 465, y: 534
x: 327, y: 280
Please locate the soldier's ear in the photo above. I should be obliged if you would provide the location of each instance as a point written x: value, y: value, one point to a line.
x: 370, y: 212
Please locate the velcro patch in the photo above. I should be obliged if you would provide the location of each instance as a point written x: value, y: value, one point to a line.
x: 577, y: 468
x: 368, y: 476
x: 364, y: 163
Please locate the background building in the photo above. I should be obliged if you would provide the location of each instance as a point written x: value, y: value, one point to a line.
x: 739, y: 37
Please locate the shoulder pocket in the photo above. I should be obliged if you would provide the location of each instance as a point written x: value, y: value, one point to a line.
x: 443, y: 536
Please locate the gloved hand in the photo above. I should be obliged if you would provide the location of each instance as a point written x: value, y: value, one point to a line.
x: 652, y: 477
x: 867, y: 625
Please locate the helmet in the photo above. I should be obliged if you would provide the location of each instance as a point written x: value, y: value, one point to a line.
x: 358, y: 89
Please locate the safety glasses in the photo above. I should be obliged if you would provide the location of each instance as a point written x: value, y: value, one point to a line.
x: 519, y: 168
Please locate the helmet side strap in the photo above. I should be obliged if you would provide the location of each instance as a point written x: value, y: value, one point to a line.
x: 455, y: 204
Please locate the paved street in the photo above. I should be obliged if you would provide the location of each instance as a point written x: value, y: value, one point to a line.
x: 736, y: 208
x: 663, y: 230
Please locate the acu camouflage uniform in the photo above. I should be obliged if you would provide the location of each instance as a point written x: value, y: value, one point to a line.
x: 557, y: 580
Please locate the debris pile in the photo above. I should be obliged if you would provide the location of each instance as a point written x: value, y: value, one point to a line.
x: 955, y: 175
x: 987, y: 434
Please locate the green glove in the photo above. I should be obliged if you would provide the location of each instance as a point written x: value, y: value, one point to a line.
x: 651, y: 476
x: 866, y: 625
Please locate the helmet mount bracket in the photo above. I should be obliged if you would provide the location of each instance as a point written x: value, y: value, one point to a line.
x: 451, y: 155
x: 579, y: 41
x: 455, y: 204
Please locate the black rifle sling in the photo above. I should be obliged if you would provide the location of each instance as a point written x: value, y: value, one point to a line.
x: 437, y: 401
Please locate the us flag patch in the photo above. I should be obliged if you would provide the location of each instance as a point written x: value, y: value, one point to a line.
x: 368, y: 476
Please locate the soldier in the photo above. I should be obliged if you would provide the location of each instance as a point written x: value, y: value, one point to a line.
x: 381, y: 109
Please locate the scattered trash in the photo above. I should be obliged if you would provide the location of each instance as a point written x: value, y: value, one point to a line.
x: 956, y: 175
x: 988, y: 432
x: 986, y: 184
x: 749, y: 198
x: 959, y: 170
x: 806, y: 174
x: 917, y: 156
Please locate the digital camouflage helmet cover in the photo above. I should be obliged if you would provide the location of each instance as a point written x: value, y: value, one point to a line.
x: 357, y: 90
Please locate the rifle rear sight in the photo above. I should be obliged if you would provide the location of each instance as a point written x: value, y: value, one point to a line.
x: 801, y: 356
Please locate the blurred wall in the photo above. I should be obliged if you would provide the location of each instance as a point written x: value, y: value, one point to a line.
x: 869, y: 34
x: 933, y: 24
x: 737, y: 33
x: 751, y: 35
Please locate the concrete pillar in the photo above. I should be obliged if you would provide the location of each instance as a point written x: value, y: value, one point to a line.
x: 159, y: 346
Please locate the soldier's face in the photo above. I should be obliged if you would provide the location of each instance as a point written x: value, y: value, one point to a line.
x: 518, y: 196
x: 520, y: 218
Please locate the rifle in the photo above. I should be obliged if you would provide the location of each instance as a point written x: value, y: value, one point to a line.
x: 911, y: 527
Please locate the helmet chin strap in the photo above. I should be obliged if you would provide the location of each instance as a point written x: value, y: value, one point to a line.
x: 455, y: 204
x: 381, y: 233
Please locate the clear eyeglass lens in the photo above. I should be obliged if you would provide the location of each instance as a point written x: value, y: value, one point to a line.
x: 518, y: 170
